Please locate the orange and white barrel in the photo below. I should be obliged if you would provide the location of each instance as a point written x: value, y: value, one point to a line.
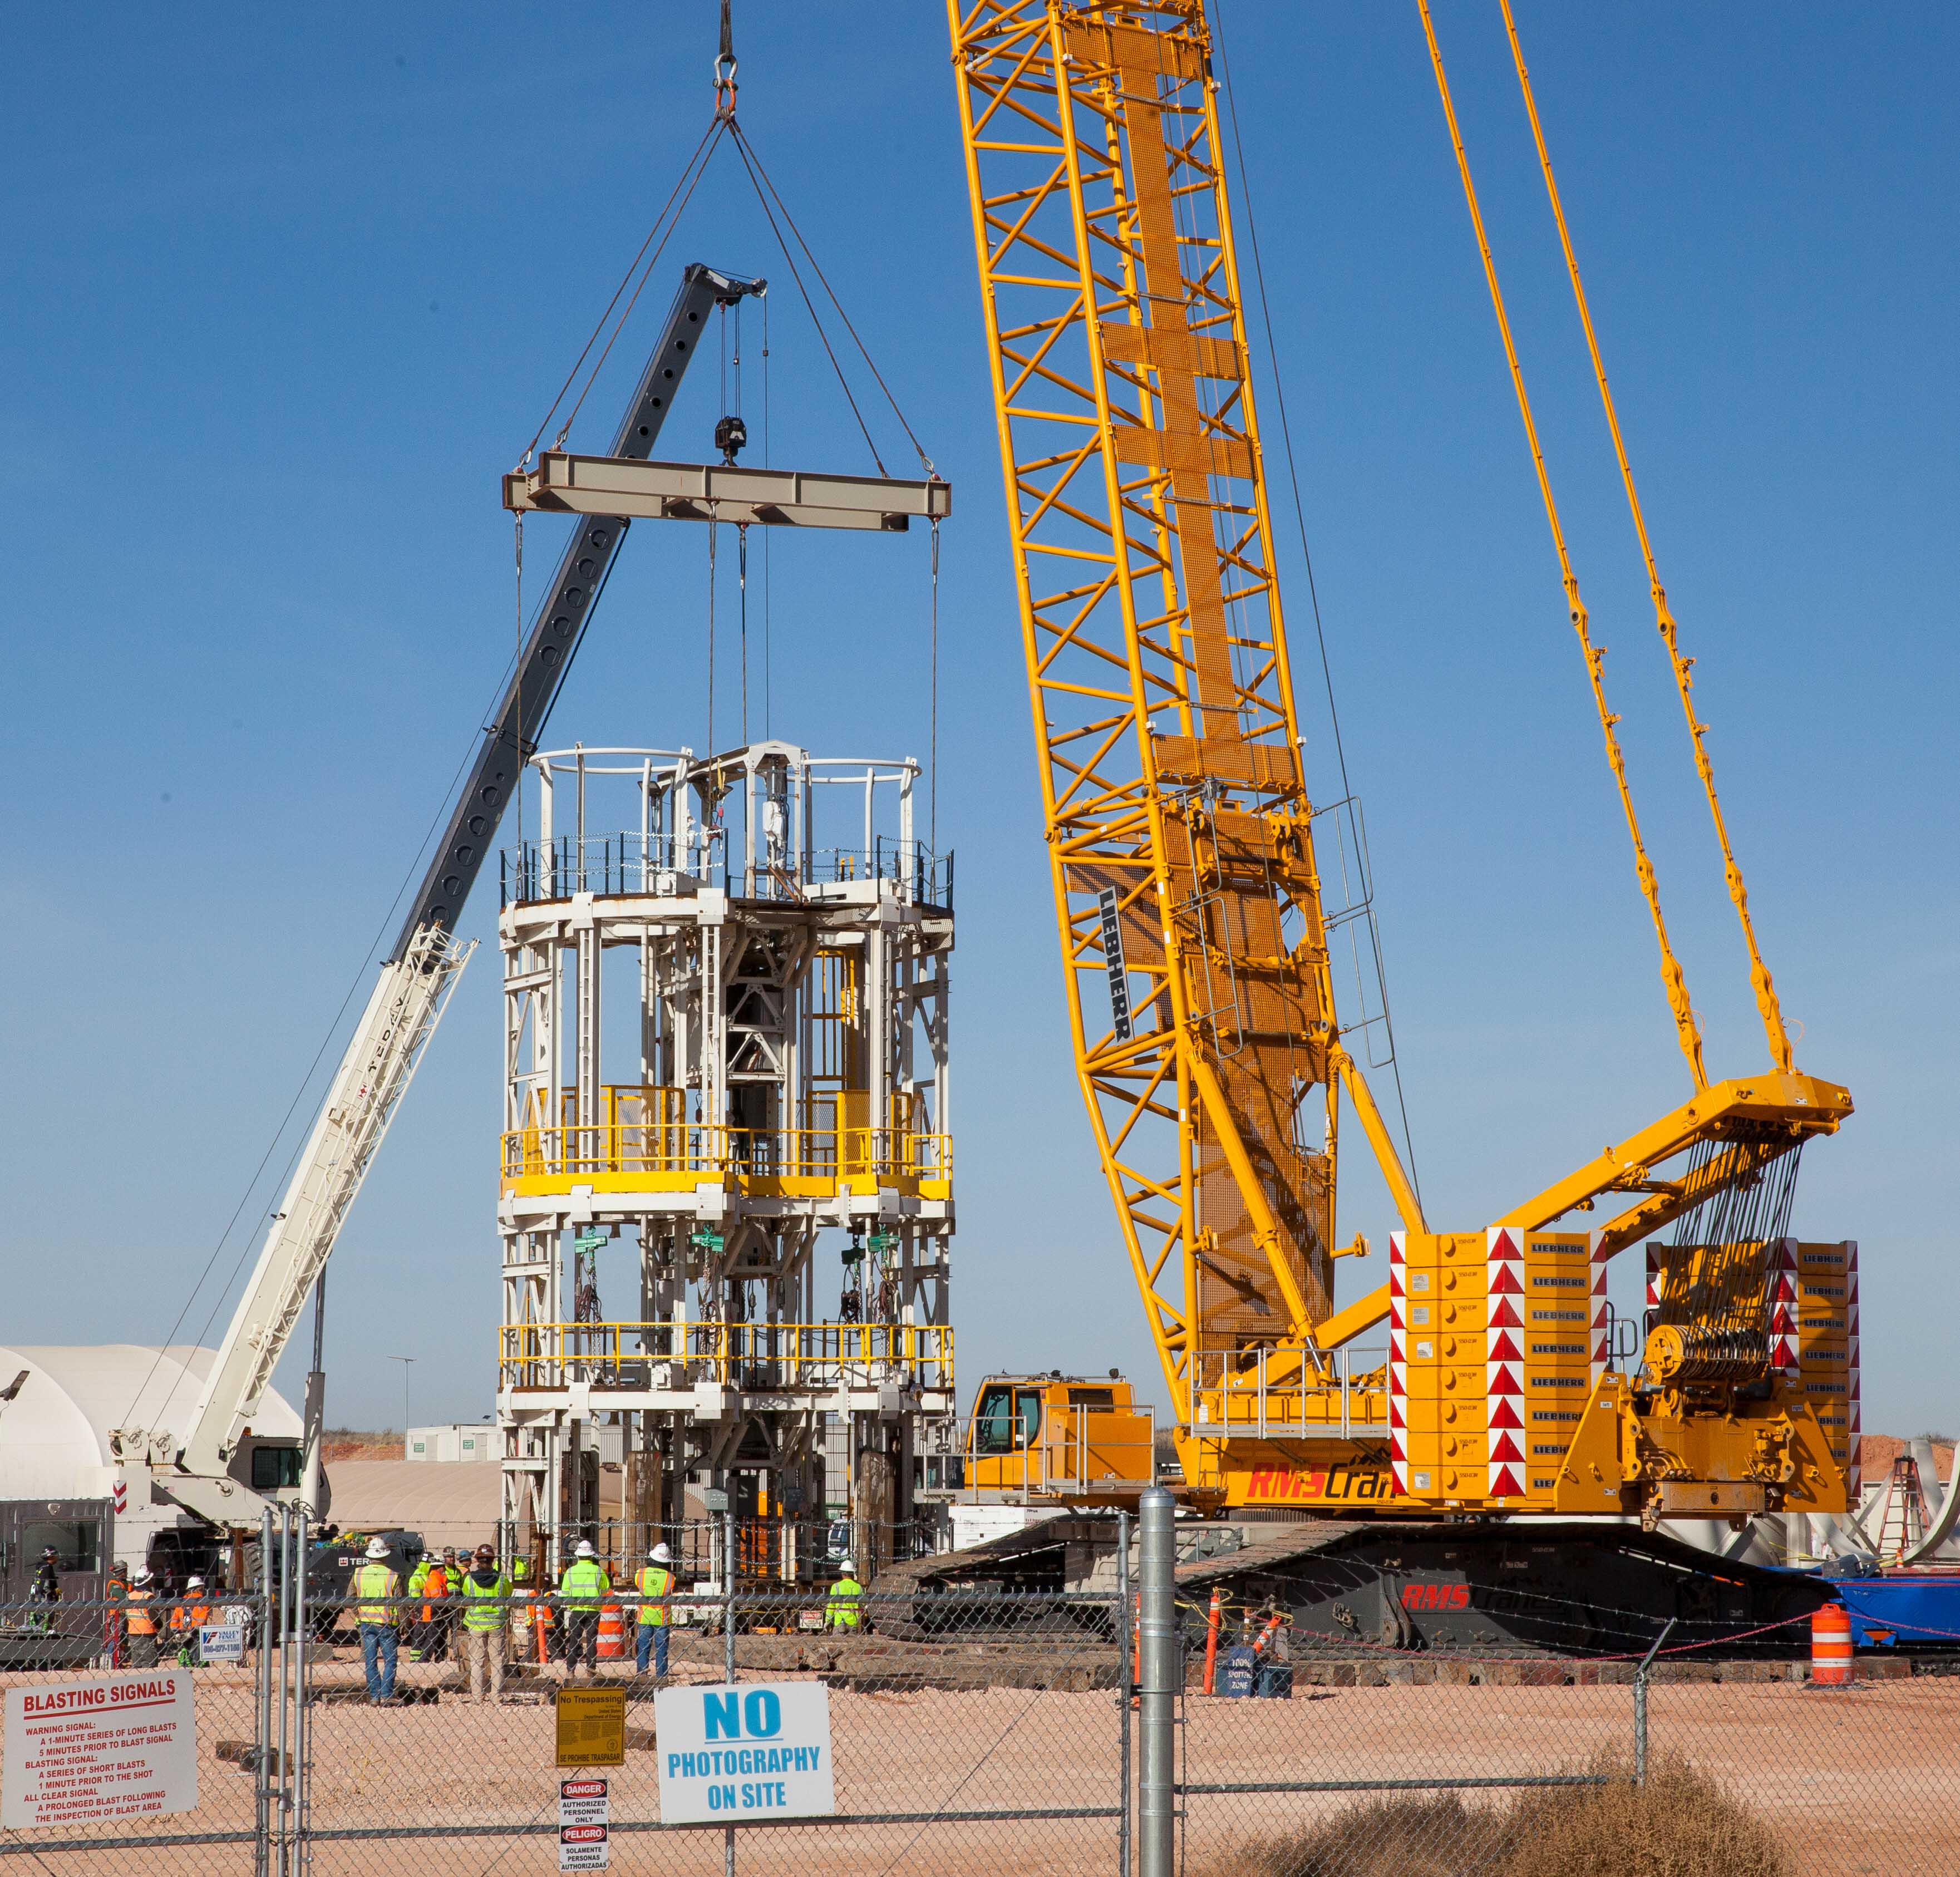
x: 612, y: 1632
x: 1830, y: 1645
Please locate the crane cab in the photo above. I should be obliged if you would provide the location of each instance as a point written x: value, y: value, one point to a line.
x: 1059, y: 1436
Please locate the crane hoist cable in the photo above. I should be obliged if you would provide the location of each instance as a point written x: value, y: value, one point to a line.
x: 1686, y: 1026
x: 1766, y: 1004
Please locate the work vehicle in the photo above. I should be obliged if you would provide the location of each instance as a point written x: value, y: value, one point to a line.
x: 1197, y: 913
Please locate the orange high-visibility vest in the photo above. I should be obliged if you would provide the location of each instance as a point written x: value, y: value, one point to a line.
x: 436, y: 1584
x: 142, y: 1618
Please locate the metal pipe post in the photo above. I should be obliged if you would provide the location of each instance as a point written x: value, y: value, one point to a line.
x: 302, y: 1630
x: 1156, y: 1852
x: 1123, y: 1691
x: 728, y: 1653
x: 262, y: 1696
x: 1640, y: 1704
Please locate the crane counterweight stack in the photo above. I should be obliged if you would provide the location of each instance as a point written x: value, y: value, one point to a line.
x: 1189, y: 905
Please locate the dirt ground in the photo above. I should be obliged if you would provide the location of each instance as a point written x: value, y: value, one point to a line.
x: 1863, y: 1779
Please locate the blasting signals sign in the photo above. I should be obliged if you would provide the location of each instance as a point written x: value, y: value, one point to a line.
x: 81, y: 1752
x: 746, y: 1755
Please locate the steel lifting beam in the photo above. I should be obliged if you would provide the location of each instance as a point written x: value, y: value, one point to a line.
x: 557, y: 624
x: 721, y: 491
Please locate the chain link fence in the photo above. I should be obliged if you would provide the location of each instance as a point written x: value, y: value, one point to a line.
x: 990, y: 1732
x: 1367, y: 1760
x: 968, y: 1733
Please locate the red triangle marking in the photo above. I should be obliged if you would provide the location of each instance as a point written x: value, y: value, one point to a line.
x: 1396, y: 1447
x: 1505, y: 1381
x: 1503, y: 1245
x: 1395, y: 1282
x: 1599, y: 1317
x: 1599, y: 1354
x: 1395, y: 1412
x: 1506, y: 1448
x: 1503, y: 1414
x: 1505, y: 1316
x: 1504, y: 1348
x: 1503, y: 1484
x: 1599, y: 1283
x: 1504, y: 1282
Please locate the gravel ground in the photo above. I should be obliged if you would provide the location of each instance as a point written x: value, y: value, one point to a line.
x: 1864, y: 1779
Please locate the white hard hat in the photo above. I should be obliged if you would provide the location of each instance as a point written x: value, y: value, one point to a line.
x: 849, y: 1567
x: 141, y: 1575
x: 195, y: 1583
x: 585, y: 1549
x: 661, y: 1555
x: 376, y: 1549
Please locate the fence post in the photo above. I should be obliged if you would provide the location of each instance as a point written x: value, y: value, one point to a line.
x: 1124, y: 1690
x: 261, y: 1817
x: 1640, y: 1704
x: 302, y: 1745
x: 728, y: 1652
x: 1157, y: 1813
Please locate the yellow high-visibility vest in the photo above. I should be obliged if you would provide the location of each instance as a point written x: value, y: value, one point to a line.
x: 372, y: 1582
x: 655, y: 1586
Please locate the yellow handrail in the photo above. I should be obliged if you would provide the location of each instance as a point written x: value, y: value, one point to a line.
x: 799, y: 1354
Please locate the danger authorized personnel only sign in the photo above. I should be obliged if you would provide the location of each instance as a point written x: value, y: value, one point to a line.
x: 584, y: 1820
x: 81, y: 1752
x: 748, y: 1754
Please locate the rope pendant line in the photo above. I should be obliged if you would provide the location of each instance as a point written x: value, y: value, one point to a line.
x: 1781, y: 1052
x: 1687, y: 1029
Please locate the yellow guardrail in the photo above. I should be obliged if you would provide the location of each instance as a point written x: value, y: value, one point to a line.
x: 1272, y: 1395
x: 756, y: 1357
x: 677, y: 1148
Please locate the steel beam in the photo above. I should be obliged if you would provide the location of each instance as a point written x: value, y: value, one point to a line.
x: 563, y: 484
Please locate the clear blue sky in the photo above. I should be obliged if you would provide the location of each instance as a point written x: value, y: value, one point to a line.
x: 283, y: 292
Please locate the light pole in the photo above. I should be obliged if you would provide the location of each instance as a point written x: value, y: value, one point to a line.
x: 404, y: 1360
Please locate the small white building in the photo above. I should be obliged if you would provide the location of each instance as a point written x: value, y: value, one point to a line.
x: 458, y: 1440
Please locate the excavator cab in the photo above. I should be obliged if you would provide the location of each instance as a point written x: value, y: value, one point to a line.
x: 1058, y: 1436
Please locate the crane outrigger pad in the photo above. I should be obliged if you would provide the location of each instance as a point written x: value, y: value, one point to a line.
x: 564, y: 484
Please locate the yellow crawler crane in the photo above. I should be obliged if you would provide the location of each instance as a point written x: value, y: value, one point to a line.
x: 1188, y: 897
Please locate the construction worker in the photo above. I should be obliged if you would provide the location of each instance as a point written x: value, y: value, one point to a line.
x: 843, y: 1608
x: 188, y: 1615
x: 485, y: 1590
x: 436, y: 1585
x: 115, y: 1627
x: 454, y: 1563
x: 378, y: 1584
x: 142, y: 1619
x: 655, y: 1584
x: 428, y: 1580
x: 582, y: 1586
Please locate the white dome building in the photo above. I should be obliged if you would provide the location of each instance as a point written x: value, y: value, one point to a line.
x: 58, y: 1477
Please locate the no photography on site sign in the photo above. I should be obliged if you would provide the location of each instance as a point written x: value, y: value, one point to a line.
x: 747, y: 1754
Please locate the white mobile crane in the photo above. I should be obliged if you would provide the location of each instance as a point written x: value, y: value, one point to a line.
x: 215, y: 1467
